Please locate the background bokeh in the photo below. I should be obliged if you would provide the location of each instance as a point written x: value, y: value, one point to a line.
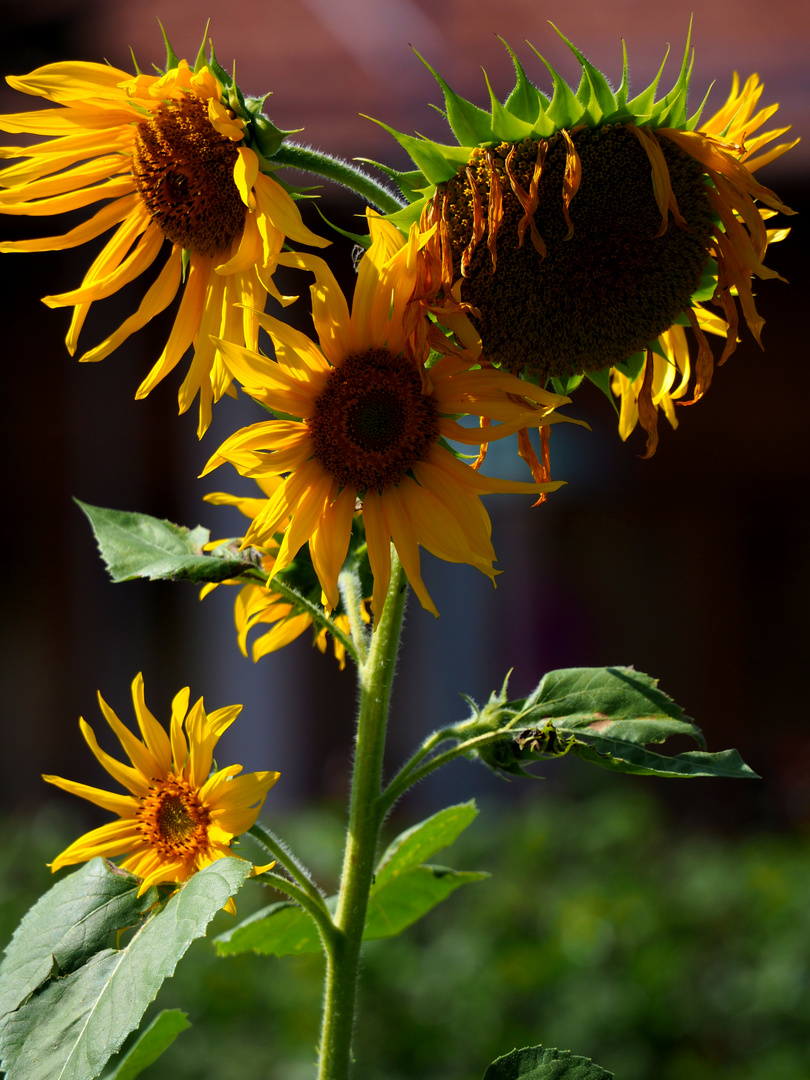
x: 691, y: 566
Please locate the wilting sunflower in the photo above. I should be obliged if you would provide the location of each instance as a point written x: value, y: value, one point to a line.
x: 573, y: 234
x: 258, y: 606
x: 172, y: 161
x: 179, y: 816
x: 366, y: 424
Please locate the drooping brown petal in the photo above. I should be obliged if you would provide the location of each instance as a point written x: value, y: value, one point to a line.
x: 495, y: 208
x: 528, y: 200
x: 479, y: 225
x: 541, y: 469
x: 704, y: 365
x: 571, y: 178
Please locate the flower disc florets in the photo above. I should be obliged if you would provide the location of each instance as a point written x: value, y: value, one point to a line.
x: 183, y: 170
x: 601, y: 280
x: 573, y: 235
x: 373, y: 421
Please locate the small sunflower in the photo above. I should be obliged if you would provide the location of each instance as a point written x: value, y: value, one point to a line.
x: 175, y: 157
x: 574, y: 233
x: 257, y: 606
x: 365, y: 428
x: 179, y: 816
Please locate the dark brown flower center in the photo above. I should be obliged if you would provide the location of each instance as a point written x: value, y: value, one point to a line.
x: 173, y: 821
x: 184, y: 171
x: 605, y: 290
x: 373, y: 422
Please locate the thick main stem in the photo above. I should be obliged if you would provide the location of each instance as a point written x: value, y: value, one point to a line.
x: 365, y: 819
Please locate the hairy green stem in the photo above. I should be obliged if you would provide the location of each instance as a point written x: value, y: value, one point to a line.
x: 315, y: 611
x: 365, y: 819
x: 271, y: 844
x: 320, y: 914
x: 340, y: 172
x: 409, y: 775
x: 351, y: 594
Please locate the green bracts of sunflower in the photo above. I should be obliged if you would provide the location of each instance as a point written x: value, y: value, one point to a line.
x: 529, y: 114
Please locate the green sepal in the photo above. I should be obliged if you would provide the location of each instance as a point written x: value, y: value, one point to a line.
x: 217, y: 69
x: 141, y: 546
x: 506, y: 127
x: 265, y: 137
x: 694, y: 119
x: 642, y: 105
x: 632, y: 366
x: 566, y: 384
x: 172, y: 59
x: 621, y: 93
x: 185, y: 263
x: 671, y: 110
x: 424, y: 153
x: 708, y: 282
x: 525, y: 102
x: 601, y: 379
x: 594, y: 93
x: 470, y: 125
x: 409, y: 183
x: 202, y: 59
x: 150, y: 1045
x: 564, y: 111
x: 545, y: 1063
x: 134, y: 61
x: 358, y: 238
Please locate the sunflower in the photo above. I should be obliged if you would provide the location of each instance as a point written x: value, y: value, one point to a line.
x: 259, y: 606
x: 365, y: 424
x: 574, y: 233
x: 179, y: 816
x: 172, y: 160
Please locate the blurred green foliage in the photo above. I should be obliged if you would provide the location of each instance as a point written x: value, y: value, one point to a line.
x: 604, y: 930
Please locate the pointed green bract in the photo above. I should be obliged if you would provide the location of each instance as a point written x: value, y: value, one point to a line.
x: 529, y: 114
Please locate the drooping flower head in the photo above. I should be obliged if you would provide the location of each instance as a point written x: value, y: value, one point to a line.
x: 179, y: 816
x: 365, y: 424
x: 175, y: 158
x: 575, y: 233
x: 259, y: 607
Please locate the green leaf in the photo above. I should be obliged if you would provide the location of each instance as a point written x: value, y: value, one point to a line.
x: 608, y: 716
x: 621, y: 756
x: 545, y: 1063
x: 402, y: 900
x: 158, y: 1037
x: 418, y: 843
x: 139, y: 546
x: 582, y: 696
x: 282, y: 929
x: 403, y: 891
x: 71, y: 1027
x: 67, y: 925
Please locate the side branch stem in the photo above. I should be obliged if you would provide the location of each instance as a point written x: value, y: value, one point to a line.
x: 365, y: 819
x: 339, y: 171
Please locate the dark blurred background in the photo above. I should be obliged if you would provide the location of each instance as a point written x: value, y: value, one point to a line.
x: 691, y: 566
